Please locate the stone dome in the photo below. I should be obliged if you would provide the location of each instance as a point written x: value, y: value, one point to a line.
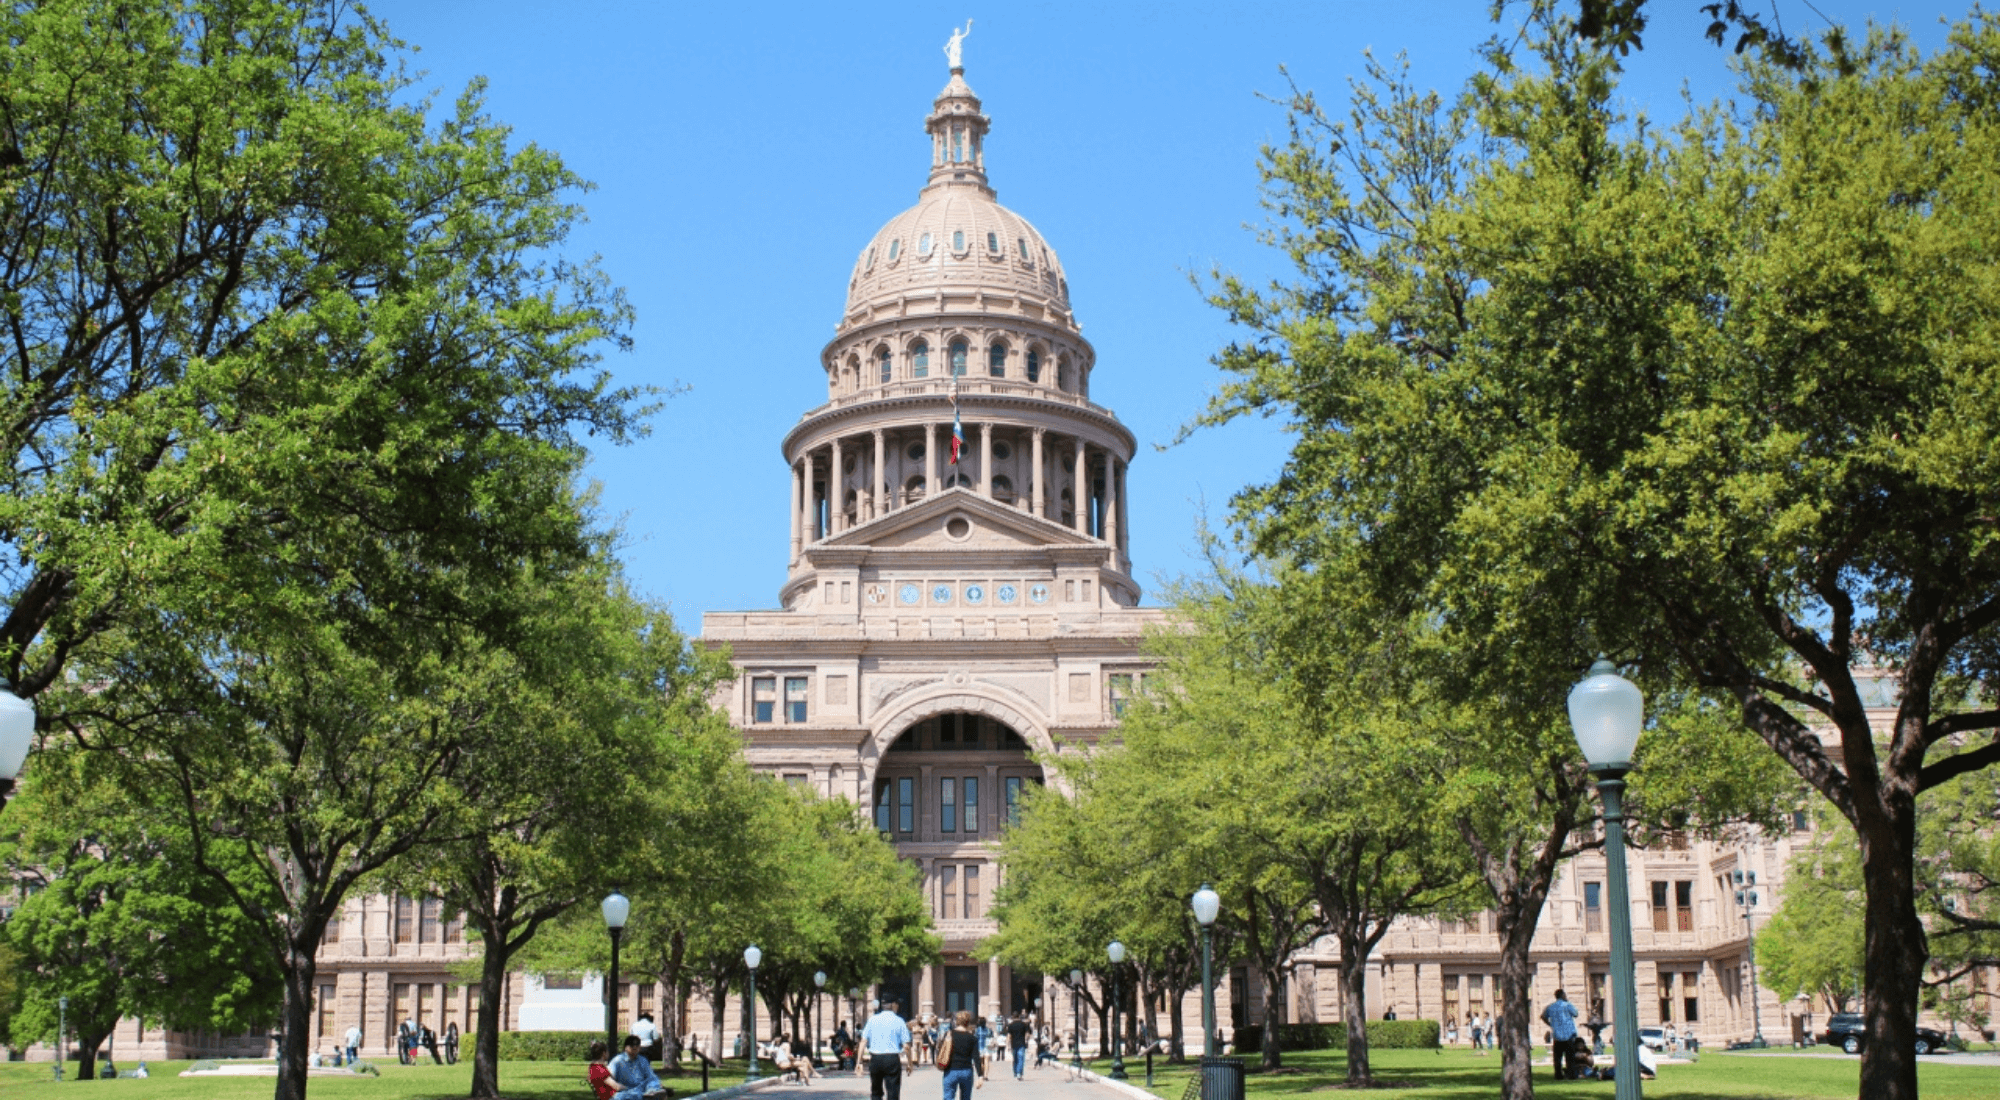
x: 957, y: 238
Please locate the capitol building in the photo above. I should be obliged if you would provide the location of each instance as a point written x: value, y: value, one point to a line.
x: 959, y: 600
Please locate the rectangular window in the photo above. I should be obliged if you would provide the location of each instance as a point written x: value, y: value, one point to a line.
x: 454, y: 1007
x: 327, y: 1000
x: 332, y: 933
x: 1801, y: 821
x: 401, y: 1004
x: 406, y: 920
x: 797, y: 779
x: 1120, y: 684
x: 1593, y: 907
x: 570, y: 980
x: 882, y: 807
x: 1660, y: 919
x: 948, y: 891
x: 1666, y: 997
x: 947, y: 731
x: 795, y: 698
x: 429, y: 931
x: 1684, y: 905
x: 1451, y: 997
x: 763, y: 699
x: 1013, y: 800
x: 972, y: 911
x: 454, y: 929
x: 1691, y: 996
x: 1475, y: 993
x: 948, y: 805
x: 971, y: 804
x: 906, y: 805
x: 426, y: 1002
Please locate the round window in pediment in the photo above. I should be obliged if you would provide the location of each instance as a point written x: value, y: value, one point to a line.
x: 957, y: 528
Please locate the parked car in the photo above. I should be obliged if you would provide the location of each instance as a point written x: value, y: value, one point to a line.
x: 1849, y: 1032
x: 1655, y: 1037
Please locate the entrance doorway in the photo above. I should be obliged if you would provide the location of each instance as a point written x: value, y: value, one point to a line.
x: 961, y: 989
x: 1025, y: 992
x: 900, y: 988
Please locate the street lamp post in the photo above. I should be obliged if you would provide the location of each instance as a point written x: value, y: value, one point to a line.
x: 819, y: 990
x: 615, y: 908
x: 1207, y: 907
x: 751, y: 957
x: 62, y: 1030
x: 1117, y: 953
x: 1076, y: 1019
x: 1746, y: 896
x: 1606, y: 712
x: 17, y: 735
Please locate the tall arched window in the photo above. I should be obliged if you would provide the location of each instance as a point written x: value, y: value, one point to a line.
x: 920, y: 360
x: 852, y: 380
x: 1062, y: 373
x: 958, y: 358
x: 1034, y: 365
x: 883, y: 364
x: 996, y: 360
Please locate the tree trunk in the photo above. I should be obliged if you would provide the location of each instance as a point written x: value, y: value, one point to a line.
x: 87, y: 1045
x: 486, y: 1044
x: 718, y: 997
x: 1354, y: 1013
x: 1515, y: 1023
x: 1274, y: 1018
x: 1895, y: 952
x: 295, y: 1026
x: 1103, y: 1027
x: 1176, y: 1037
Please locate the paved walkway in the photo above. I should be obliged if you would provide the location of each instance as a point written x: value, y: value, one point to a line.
x: 927, y: 1084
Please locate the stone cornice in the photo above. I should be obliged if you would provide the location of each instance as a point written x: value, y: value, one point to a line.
x: 935, y: 408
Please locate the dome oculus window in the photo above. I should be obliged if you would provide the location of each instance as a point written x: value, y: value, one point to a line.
x: 920, y: 360
x: 993, y: 243
x: 1034, y: 365
x: 870, y: 265
x: 996, y: 360
x: 958, y: 358
x: 958, y: 240
x: 924, y: 245
x: 895, y: 250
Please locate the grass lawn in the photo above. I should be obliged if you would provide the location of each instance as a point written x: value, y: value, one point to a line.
x: 1464, y: 1075
x: 522, y: 1080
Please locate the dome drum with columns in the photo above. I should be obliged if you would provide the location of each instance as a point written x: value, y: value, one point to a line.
x: 940, y: 622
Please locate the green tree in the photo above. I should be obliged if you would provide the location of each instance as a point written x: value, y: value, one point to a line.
x: 115, y: 919
x: 251, y: 296
x: 1813, y: 943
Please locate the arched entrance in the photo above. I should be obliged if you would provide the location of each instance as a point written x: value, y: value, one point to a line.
x: 951, y: 779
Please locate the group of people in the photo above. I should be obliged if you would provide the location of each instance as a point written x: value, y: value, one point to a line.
x: 960, y: 1046
x: 412, y: 1036
x: 1571, y: 1056
x: 1479, y: 1024
x: 629, y: 1076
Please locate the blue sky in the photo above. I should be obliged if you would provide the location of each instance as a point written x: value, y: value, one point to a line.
x: 745, y: 153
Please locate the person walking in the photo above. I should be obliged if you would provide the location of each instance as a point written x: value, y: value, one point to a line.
x: 960, y: 1060
x: 884, y: 1036
x: 1560, y: 1015
x: 1017, y: 1043
x: 353, y: 1043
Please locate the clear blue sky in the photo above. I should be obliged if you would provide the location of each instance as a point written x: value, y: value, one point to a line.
x: 745, y: 153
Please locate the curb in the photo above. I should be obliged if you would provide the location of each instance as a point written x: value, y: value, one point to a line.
x: 738, y: 1090
x: 1126, y: 1087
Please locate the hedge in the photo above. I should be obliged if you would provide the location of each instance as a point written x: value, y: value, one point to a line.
x: 1382, y: 1035
x: 537, y: 1046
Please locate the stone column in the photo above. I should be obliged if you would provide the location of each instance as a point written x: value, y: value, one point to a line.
x: 926, y: 993
x: 836, y: 493
x: 798, y: 512
x: 1109, y: 528
x: 997, y: 1003
x: 930, y: 460
x: 812, y: 503
x: 1082, y: 489
x: 881, y: 493
x: 986, y: 460
x: 1035, y: 477
x: 1124, y: 520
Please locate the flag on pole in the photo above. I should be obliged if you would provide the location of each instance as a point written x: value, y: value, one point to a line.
x: 957, y: 436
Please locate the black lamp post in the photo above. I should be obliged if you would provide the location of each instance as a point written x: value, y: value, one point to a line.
x: 819, y: 990
x: 1607, y: 712
x: 751, y: 957
x: 62, y: 1030
x: 1117, y: 953
x: 17, y: 735
x: 615, y: 908
x: 1076, y: 1019
x: 1746, y: 896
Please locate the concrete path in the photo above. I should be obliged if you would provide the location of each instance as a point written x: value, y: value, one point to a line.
x: 927, y: 1084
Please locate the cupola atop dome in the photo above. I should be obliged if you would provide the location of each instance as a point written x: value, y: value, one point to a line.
x: 958, y: 133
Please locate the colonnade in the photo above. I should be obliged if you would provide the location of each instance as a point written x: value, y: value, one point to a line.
x: 884, y: 470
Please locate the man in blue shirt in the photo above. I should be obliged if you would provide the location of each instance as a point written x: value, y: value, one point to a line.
x: 884, y: 1037
x: 1561, y: 1018
x: 633, y: 1073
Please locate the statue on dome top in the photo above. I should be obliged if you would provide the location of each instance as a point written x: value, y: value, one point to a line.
x: 954, y: 49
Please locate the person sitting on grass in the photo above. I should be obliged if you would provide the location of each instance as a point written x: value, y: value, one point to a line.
x: 599, y: 1074
x: 633, y: 1073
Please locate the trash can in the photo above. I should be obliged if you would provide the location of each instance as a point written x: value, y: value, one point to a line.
x: 1222, y: 1079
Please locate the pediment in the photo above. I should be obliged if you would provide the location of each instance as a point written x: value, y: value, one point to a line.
x: 958, y: 520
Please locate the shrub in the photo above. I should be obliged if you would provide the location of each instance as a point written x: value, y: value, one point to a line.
x: 539, y: 1046
x: 363, y: 1068
x: 1382, y: 1035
